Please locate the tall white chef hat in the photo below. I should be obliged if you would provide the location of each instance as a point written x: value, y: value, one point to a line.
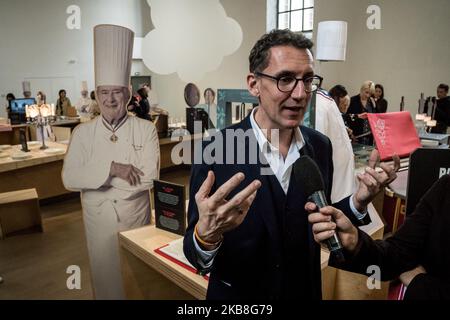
x: 84, y: 86
x: 26, y: 86
x: 113, y: 51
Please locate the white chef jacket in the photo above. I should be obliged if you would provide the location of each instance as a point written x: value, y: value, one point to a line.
x: 83, y: 103
x: 330, y: 123
x: 111, y: 205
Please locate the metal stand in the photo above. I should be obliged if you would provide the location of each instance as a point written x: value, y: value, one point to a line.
x: 41, y: 122
x: 43, y: 138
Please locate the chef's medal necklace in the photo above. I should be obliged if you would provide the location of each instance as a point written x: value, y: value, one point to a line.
x: 114, y: 138
x: 113, y: 129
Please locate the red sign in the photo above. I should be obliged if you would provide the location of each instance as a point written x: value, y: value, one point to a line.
x: 394, y: 133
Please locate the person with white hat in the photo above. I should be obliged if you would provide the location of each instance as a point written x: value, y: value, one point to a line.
x: 84, y: 102
x: 94, y: 109
x: 113, y: 161
x: 26, y: 86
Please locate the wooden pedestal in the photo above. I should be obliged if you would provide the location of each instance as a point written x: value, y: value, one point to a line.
x: 19, y: 212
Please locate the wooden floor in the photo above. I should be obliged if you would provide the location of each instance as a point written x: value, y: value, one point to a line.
x: 34, y: 266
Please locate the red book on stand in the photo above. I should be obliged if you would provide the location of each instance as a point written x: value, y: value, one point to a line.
x: 394, y: 133
x: 173, y: 251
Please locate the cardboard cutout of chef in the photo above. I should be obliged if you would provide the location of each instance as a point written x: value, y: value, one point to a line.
x: 112, y: 160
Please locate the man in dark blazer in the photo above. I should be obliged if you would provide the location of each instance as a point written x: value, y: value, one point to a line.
x: 442, y: 112
x: 247, y: 220
x: 418, y: 253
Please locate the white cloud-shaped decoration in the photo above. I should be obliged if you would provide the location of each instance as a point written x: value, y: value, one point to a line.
x: 191, y: 37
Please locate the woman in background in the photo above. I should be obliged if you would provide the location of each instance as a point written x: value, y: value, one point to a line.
x: 342, y: 99
x: 210, y: 107
x: 360, y: 106
x: 381, y: 103
x: 63, y: 103
x: 142, y: 111
x: 94, y: 109
x: 9, y: 97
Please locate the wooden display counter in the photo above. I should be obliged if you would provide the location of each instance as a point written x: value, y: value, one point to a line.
x: 41, y: 171
x: 72, y: 124
x: 19, y: 211
x: 352, y: 286
x: 12, y: 136
x: 166, y: 146
x: 147, y: 275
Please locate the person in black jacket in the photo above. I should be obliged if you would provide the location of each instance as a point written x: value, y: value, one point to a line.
x: 142, y: 110
x: 418, y: 253
x: 9, y: 97
x: 340, y: 96
x: 381, y: 102
x: 442, y: 113
x: 247, y: 220
x: 360, y: 105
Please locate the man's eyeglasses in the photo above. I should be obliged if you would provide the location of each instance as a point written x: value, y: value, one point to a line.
x: 288, y: 83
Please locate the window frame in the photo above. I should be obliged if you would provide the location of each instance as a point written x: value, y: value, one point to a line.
x: 302, y: 9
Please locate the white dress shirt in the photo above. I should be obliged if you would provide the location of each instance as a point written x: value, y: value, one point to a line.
x: 82, y: 105
x: 282, y: 168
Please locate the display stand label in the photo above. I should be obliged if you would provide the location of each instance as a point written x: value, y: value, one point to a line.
x: 170, y: 207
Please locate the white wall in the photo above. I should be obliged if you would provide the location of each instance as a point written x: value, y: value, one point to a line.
x: 36, y: 45
x: 409, y: 55
x: 251, y: 15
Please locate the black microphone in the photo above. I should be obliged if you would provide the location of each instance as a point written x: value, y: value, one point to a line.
x: 308, y: 173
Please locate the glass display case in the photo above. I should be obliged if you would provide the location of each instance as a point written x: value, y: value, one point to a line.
x: 362, y: 154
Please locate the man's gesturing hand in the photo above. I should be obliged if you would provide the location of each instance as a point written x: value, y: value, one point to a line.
x: 218, y: 215
x: 126, y: 172
x: 371, y: 181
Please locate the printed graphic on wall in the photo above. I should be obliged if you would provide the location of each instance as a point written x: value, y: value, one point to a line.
x: 191, y: 37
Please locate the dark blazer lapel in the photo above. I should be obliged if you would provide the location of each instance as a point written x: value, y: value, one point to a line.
x: 314, y: 248
x: 307, y: 149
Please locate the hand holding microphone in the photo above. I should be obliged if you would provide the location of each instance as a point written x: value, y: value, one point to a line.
x: 328, y: 220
